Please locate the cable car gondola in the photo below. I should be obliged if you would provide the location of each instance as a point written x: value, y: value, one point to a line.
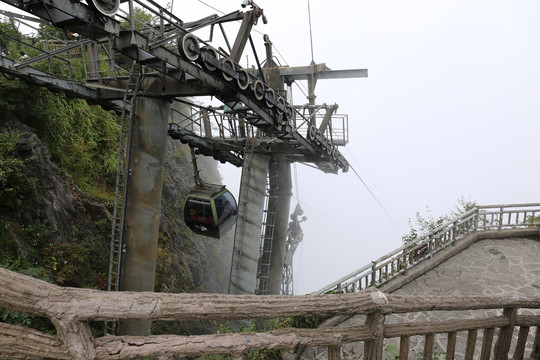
x: 209, y: 209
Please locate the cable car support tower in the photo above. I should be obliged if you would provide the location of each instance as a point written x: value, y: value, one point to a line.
x: 256, y: 127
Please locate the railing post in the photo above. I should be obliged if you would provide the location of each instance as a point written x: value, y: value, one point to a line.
x: 428, y: 347
x: 521, y: 342
x: 430, y: 248
x: 502, y: 347
x: 334, y: 353
x: 77, y: 337
x: 471, y: 344
x: 451, y: 345
x: 374, y: 263
x: 374, y: 349
x: 535, y: 352
x: 487, y: 341
x: 404, y: 344
x: 501, y: 218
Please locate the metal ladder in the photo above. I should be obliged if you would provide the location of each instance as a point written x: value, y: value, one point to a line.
x: 267, y: 230
x: 117, y: 247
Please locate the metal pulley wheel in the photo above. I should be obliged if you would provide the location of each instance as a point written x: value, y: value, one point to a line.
x: 289, y: 112
x: 280, y: 105
x: 208, y: 51
x: 106, y: 7
x: 188, y: 47
x: 270, y: 98
x: 243, y: 79
x: 258, y: 89
x: 227, y: 68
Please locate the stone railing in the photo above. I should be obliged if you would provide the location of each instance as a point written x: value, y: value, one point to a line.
x: 395, y: 263
x: 71, y: 310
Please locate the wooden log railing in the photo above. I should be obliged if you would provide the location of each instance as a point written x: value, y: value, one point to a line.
x: 70, y: 310
x: 479, y: 219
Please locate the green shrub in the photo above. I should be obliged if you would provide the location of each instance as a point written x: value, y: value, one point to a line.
x: 16, y: 185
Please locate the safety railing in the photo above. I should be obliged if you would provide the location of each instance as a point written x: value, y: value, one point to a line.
x: 395, y: 263
x: 164, y: 44
x: 71, y: 310
x: 72, y: 58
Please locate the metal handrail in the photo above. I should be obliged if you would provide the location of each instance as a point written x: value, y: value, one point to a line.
x: 394, y: 263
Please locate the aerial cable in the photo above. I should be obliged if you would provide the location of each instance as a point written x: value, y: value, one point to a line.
x: 210, y: 6
x: 376, y: 199
x: 368, y: 189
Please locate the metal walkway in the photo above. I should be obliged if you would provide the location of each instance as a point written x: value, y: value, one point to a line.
x: 175, y: 64
x: 183, y: 66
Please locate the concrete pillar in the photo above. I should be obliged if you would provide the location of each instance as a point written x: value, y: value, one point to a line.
x: 283, y: 201
x: 144, y: 187
x: 247, y: 237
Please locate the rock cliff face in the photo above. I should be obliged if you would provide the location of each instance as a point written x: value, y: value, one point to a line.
x: 55, y: 216
x: 63, y: 230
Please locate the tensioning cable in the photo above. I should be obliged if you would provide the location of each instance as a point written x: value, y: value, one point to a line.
x: 376, y: 199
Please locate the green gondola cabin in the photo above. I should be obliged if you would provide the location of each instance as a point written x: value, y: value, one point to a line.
x: 210, y: 210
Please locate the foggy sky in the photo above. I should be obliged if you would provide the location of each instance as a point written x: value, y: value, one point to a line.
x: 449, y: 110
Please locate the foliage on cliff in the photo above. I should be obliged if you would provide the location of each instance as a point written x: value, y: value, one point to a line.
x: 58, y: 158
x: 428, y: 223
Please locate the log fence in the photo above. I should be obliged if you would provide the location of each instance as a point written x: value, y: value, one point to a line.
x: 70, y: 310
x: 397, y: 262
x: 495, y: 327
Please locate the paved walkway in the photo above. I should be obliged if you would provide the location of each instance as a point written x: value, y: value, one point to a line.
x: 487, y: 267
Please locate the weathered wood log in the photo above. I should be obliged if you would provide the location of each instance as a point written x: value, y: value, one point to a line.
x: 334, y: 353
x: 428, y: 347
x: 28, y: 295
x: 404, y: 303
x: 20, y: 342
x: 447, y: 326
x: 502, y: 347
x: 528, y: 320
x: 471, y: 344
x: 487, y: 341
x: 451, y: 345
x: 129, y: 347
x: 535, y: 353
x: 70, y: 308
x: 77, y: 337
x: 521, y: 342
x: 404, y: 344
x: 374, y: 348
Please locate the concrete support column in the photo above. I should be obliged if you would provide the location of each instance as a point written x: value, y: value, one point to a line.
x: 282, y: 168
x: 143, y: 202
x: 247, y: 237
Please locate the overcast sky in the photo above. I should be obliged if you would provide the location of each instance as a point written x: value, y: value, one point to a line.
x: 450, y: 109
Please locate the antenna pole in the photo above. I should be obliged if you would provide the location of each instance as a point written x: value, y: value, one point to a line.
x: 310, y: 32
